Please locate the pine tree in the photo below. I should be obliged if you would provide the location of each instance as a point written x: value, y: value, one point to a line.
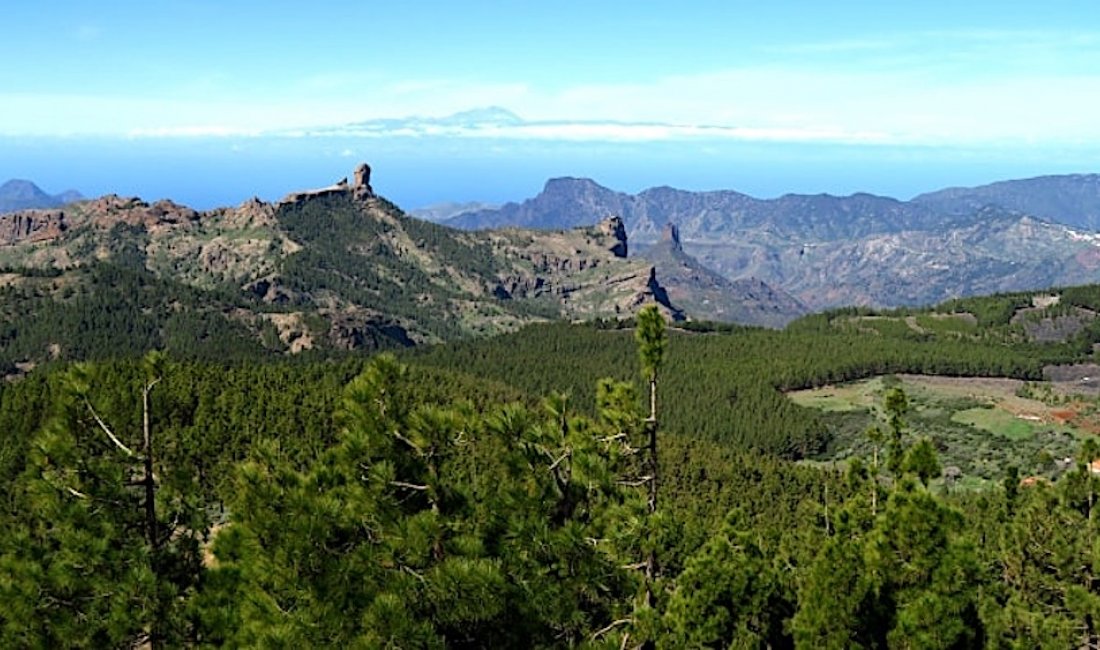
x: 727, y: 596
x: 652, y: 341
x: 427, y: 526
x: 896, y: 404
x: 99, y: 551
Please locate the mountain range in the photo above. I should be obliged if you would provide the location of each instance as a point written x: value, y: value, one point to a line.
x: 440, y: 212
x: 828, y: 251
x: 336, y: 268
x: 1071, y: 199
x: 18, y: 194
x: 343, y: 268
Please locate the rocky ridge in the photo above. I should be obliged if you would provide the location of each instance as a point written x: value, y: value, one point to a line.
x: 706, y: 294
x: 828, y: 251
x: 337, y: 267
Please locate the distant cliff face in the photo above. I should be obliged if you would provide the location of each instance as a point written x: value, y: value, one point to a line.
x: 338, y: 267
x: 587, y: 268
x: 705, y: 294
x: 827, y: 251
x: 31, y: 226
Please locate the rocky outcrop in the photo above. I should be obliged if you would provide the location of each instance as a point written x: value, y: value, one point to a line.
x: 671, y: 236
x: 109, y: 210
x: 354, y: 332
x: 614, y: 229
x: 373, y: 278
x: 520, y: 286
x: 250, y: 214
x: 359, y: 189
x: 584, y: 269
x: 269, y: 290
x: 706, y: 295
x: 31, y: 226
x: 656, y: 293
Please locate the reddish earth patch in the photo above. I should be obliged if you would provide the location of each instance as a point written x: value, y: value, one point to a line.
x: 1063, y: 417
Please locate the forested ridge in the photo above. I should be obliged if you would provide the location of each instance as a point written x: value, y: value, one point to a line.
x: 493, y: 494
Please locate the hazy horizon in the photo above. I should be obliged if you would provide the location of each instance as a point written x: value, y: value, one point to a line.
x: 209, y: 104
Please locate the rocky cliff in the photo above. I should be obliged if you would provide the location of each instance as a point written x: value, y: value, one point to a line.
x: 706, y: 294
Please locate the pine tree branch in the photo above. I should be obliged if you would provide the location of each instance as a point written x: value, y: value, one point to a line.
x: 410, y: 443
x: 103, y: 425
x: 76, y: 493
x: 411, y: 486
x: 554, y: 465
x: 607, y: 628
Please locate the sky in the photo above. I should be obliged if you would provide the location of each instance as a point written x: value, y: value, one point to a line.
x: 897, y: 98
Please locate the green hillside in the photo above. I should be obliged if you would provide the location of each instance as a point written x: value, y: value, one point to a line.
x: 492, y: 493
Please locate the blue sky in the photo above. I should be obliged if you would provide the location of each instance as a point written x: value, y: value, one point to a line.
x: 1012, y: 84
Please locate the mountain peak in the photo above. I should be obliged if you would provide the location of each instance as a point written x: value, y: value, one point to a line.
x: 570, y: 182
x: 20, y: 194
x: 18, y: 188
x: 486, y: 115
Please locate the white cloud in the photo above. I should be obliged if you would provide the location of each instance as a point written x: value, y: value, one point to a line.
x: 587, y: 132
x: 987, y: 88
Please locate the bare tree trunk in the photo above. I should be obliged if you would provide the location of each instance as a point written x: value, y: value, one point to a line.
x: 652, y: 472
x: 150, y: 487
x: 874, y: 483
x: 151, y: 536
x: 653, y: 399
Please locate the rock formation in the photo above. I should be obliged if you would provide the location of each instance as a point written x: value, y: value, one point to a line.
x: 614, y: 228
x: 361, y: 189
x: 31, y: 226
x: 671, y: 234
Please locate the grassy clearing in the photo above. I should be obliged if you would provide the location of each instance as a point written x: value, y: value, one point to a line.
x: 856, y: 396
x: 980, y: 425
x: 1003, y: 423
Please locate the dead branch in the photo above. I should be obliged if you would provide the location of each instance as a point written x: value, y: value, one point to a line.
x: 103, y: 425
x: 614, y: 624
